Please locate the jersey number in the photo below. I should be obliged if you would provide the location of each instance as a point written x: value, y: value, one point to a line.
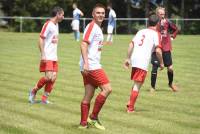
x: 142, y: 40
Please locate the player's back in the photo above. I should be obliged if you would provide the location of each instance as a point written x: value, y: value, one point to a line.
x: 145, y: 42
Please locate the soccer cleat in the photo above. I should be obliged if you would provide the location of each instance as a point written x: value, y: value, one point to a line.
x: 173, y: 87
x: 46, y: 102
x: 83, y: 127
x: 95, y: 123
x: 31, y: 97
x: 130, y: 111
x: 152, y: 90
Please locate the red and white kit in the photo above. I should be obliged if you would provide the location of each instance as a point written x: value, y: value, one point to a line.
x: 94, y: 37
x: 145, y: 42
x: 50, y: 35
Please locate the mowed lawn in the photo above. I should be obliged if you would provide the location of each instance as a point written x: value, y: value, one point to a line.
x: 163, y: 112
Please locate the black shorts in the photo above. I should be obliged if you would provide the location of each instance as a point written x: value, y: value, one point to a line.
x: 167, y: 59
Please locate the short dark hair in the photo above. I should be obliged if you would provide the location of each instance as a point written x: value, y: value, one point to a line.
x: 99, y: 5
x: 153, y: 20
x: 56, y: 10
x: 109, y: 4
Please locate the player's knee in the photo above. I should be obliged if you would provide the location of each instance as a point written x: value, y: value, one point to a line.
x: 109, y: 90
x: 170, y: 68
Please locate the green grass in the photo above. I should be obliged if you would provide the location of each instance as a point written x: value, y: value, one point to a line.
x: 164, y: 112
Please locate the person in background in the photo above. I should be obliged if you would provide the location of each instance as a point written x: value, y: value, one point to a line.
x: 77, y: 13
x: 168, y: 32
x: 111, y: 24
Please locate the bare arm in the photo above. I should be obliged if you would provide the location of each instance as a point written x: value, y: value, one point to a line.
x: 160, y: 58
x: 82, y: 14
x: 41, y: 48
x: 129, y: 52
x: 84, y: 53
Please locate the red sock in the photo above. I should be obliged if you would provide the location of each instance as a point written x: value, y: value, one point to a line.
x: 49, y: 86
x: 40, y: 84
x: 100, y: 100
x: 44, y: 98
x: 133, y: 97
x: 85, y: 107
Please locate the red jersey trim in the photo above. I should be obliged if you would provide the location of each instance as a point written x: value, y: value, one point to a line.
x: 88, y: 32
x: 44, y: 29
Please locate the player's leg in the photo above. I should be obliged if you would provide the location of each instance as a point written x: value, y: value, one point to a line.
x: 155, y: 65
x: 170, y: 74
x: 49, y: 85
x: 78, y: 35
x: 133, y: 96
x: 138, y: 76
x: 109, y: 36
x: 167, y: 58
x: 85, y: 104
x: 100, y: 79
x: 42, y: 81
x: 99, y: 102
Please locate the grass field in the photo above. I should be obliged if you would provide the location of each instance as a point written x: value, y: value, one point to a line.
x: 164, y: 112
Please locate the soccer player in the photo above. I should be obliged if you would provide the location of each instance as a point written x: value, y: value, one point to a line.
x: 77, y: 13
x: 91, y: 70
x: 139, y: 55
x: 165, y: 26
x: 48, y: 42
x: 111, y: 24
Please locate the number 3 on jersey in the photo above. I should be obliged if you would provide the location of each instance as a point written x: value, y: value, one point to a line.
x: 143, y: 36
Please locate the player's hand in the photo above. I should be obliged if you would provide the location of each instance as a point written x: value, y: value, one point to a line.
x: 127, y: 63
x: 85, y: 69
x: 162, y: 66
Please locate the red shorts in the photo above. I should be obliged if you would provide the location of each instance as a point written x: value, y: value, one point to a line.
x: 95, y: 78
x: 138, y: 74
x: 48, y: 66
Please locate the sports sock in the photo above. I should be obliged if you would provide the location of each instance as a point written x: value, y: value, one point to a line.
x: 133, y: 97
x: 49, y: 86
x: 153, y: 79
x: 78, y: 36
x: 109, y: 38
x: 100, y: 100
x: 45, y: 96
x: 170, y: 77
x: 40, y: 84
x: 85, y: 107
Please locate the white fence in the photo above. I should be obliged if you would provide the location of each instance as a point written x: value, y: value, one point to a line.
x: 128, y: 22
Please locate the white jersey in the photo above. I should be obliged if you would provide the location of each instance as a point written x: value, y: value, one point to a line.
x: 145, y: 42
x: 50, y: 35
x: 94, y: 37
x: 111, y: 18
x: 76, y: 14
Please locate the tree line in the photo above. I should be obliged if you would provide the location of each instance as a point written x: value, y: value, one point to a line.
x: 123, y: 8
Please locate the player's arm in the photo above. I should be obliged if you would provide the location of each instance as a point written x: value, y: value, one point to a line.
x: 81, y: 13
x: 160, y: 58
x: 41, y: 48
x: 84, y: 53
x: 174, y: 29
x: 129, y: 52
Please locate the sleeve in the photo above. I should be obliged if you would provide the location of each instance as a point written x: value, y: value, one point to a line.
x: 173, y: 28
x: 45, y: 30
x: 79, y: 11
x: 157, y: 39
x: 88, y: 33
x: 113, y: 14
